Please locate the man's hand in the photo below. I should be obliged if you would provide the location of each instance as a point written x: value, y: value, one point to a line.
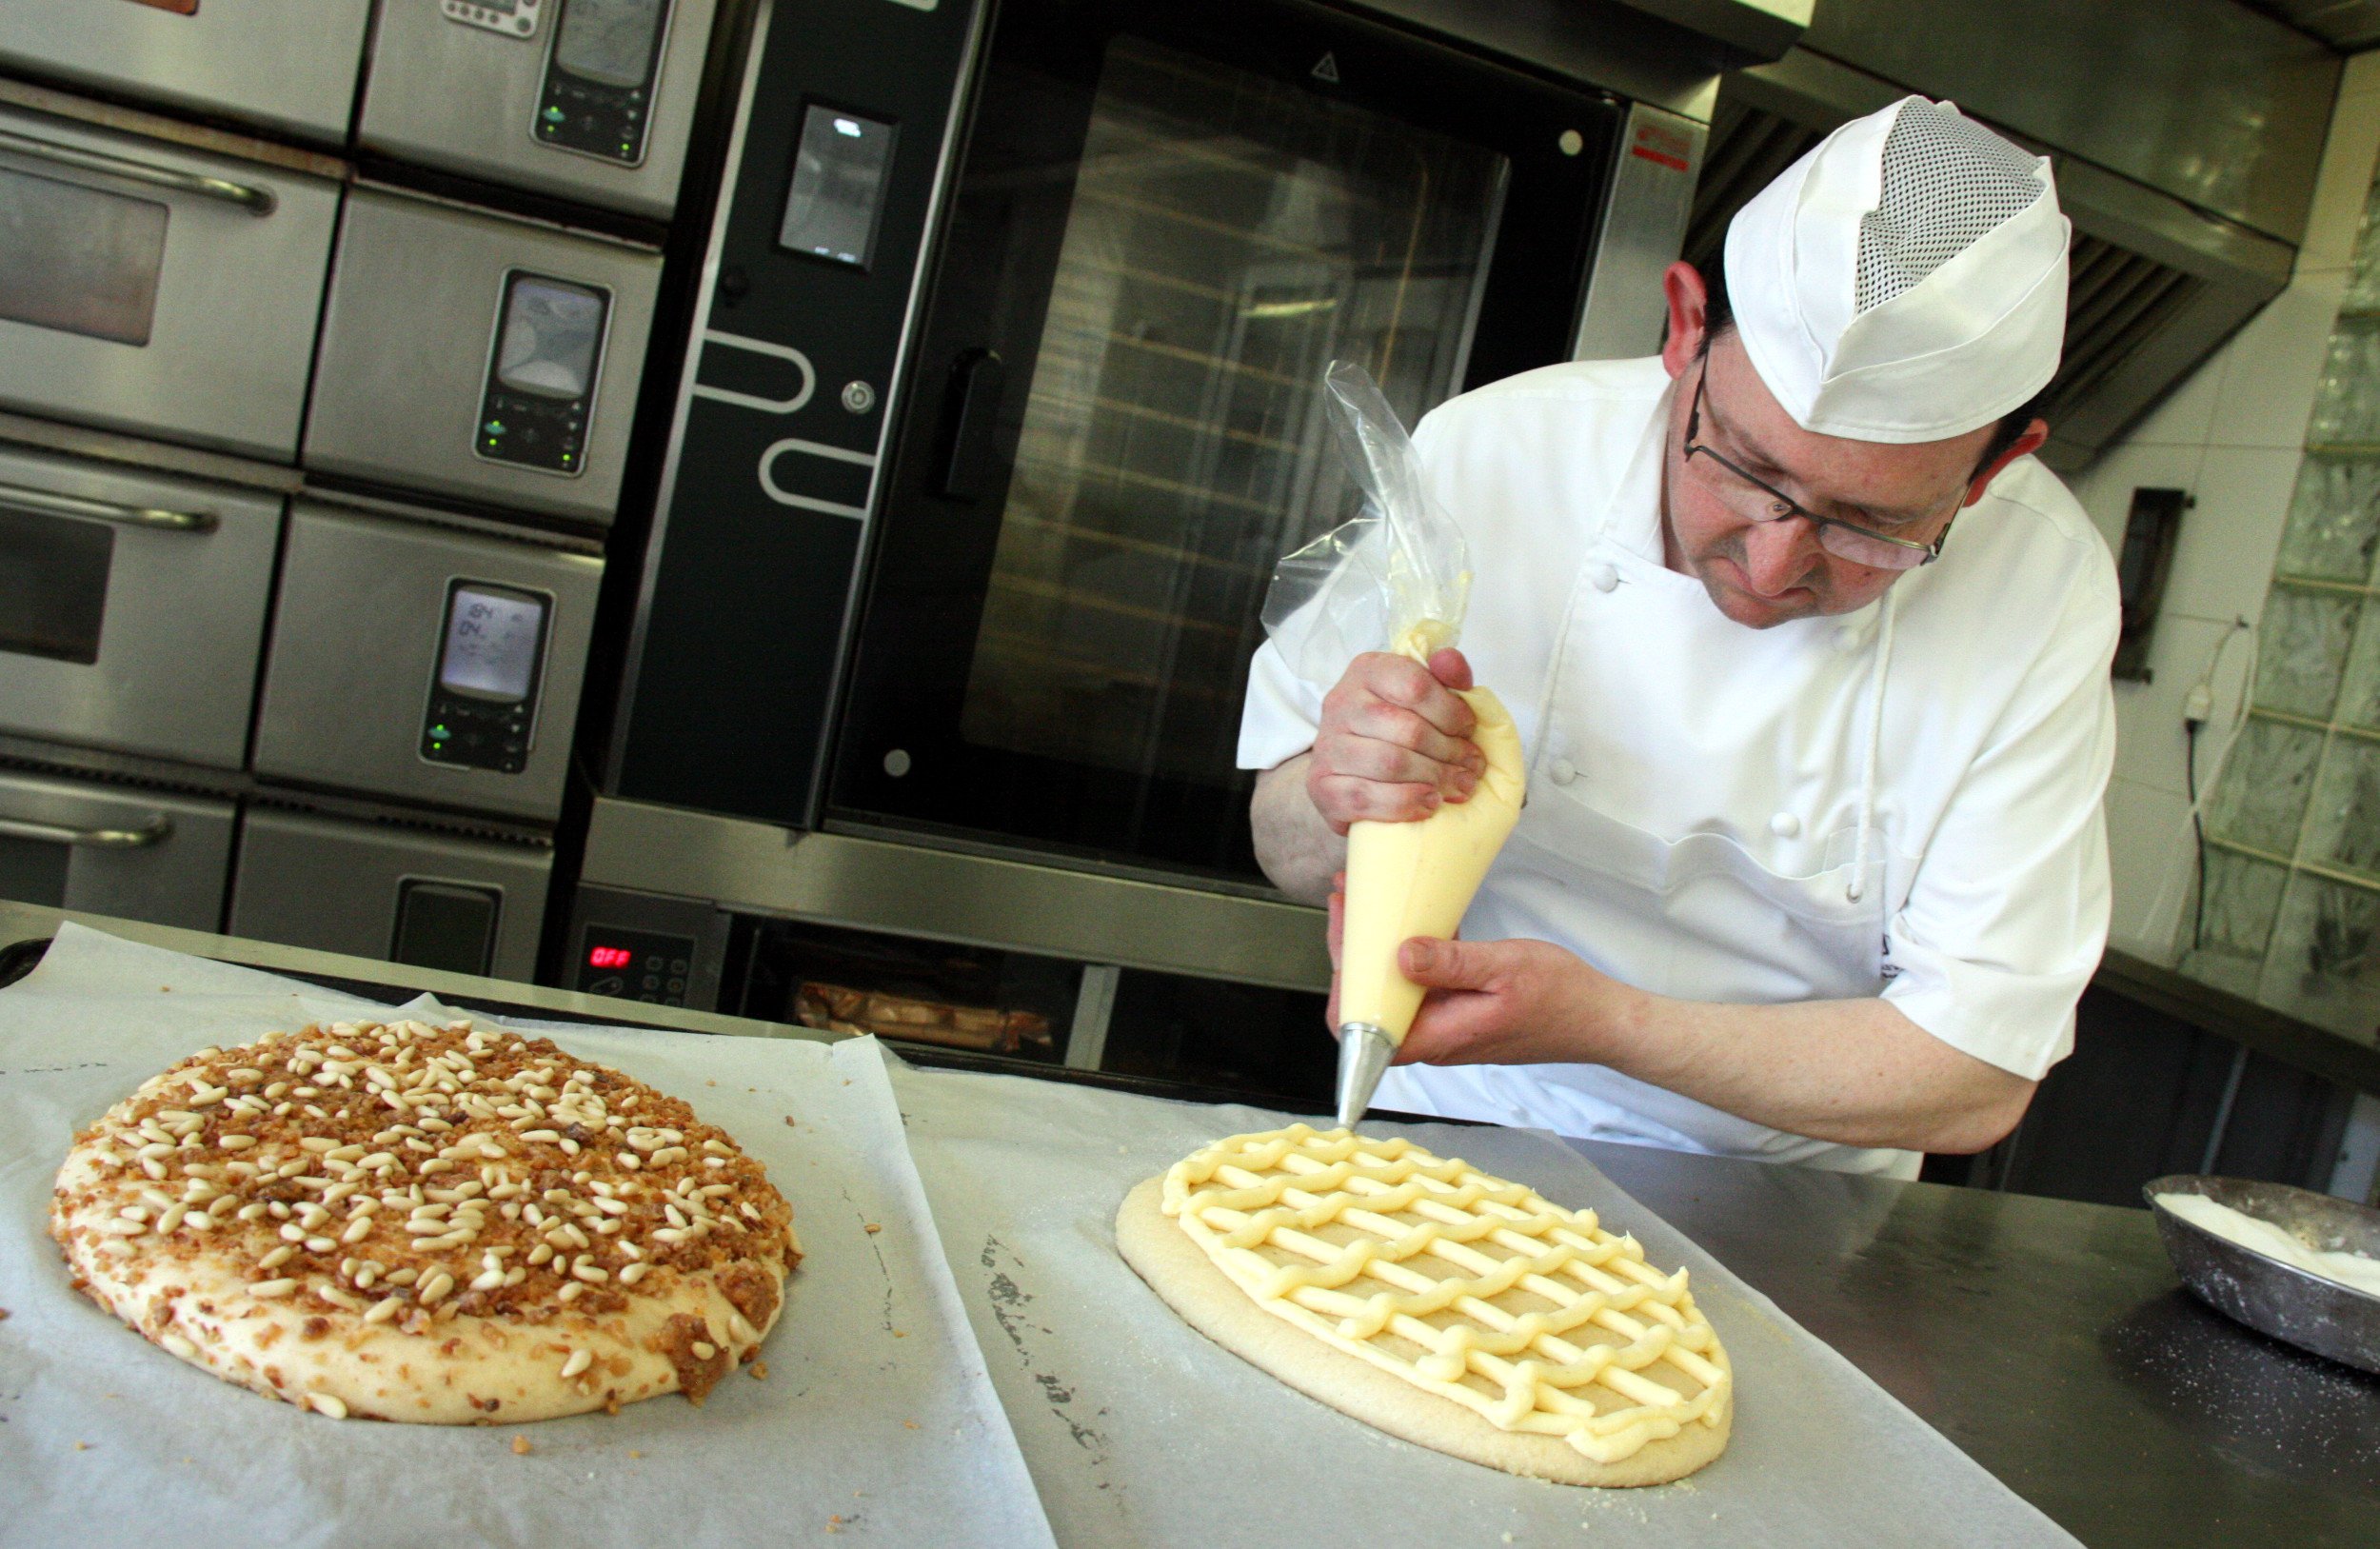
x: 1501, y: 1003
x: 1394, y: 741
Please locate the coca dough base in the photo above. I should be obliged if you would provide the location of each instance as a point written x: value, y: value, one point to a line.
x: 1178, y: 1270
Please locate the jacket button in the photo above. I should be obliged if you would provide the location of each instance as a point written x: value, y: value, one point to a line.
x: 1561, y: 771
x: 1785, y: 825
x: 1602, y: 577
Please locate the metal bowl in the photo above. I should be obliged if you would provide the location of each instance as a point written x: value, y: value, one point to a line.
x: 2269, y: 1296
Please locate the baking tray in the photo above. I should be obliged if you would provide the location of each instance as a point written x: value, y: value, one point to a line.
x: 2272, y: 1298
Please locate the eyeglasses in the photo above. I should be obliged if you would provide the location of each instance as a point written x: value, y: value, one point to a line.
x: 1756, y: 499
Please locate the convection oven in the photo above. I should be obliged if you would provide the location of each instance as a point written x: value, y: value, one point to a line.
x: 998, y: 407
x: 288, y: 65
x: 481, y: 358
x: 132, y: 607
x: 153, y: 287
x: 589, y: 100
x: 424, y: 662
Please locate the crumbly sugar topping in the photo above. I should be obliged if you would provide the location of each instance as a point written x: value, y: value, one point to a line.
x: 412, y: 1174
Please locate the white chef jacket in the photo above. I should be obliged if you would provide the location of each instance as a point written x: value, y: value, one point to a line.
x: 1902, y: 800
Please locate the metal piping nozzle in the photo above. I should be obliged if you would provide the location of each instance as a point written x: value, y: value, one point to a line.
x: 1365, y: 1050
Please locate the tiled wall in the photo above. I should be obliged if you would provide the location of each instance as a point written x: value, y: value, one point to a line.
x: 2234, y: 435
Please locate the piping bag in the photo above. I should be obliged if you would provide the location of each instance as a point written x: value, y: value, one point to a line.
x: 1397, y: 578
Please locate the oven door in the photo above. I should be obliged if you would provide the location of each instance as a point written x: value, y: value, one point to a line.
x: 288, y: 63
x: 396, y: 895
x: 424, y: 663
x: 136, y: 855
x: 588, y: 99
x: 481, y: 358
x: 132, y: 607
x: 1170, y: 219
x: 153, y: 290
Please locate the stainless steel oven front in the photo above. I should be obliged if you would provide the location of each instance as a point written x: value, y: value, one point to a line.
x: 424, y: 663
x: 132, y: 607
x: 290, y: 65
x: 588, y: 99
x: 73, y: 843
x: 412, y: 895
x: 1002, y: 398
x: 156, y: 289
x: 481, y: 358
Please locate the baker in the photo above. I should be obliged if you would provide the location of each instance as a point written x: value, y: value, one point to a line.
x: 1809, y: 659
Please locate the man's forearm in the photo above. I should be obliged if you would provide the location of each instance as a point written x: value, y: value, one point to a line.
x: 1293, y: 843
x: 1854, y: 1072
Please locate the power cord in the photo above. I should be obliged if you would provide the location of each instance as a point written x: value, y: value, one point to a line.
x: 2197, y: 709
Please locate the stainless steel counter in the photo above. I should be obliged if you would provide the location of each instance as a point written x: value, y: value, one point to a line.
x: 2049, y: 1340
x: 2052, y: 1341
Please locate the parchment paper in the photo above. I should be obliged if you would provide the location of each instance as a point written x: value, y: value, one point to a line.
x: 1140, y: 1430
x: 875, y: 1423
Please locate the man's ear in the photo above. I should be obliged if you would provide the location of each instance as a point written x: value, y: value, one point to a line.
x: 1689, y: 301
x: 2035, y: 434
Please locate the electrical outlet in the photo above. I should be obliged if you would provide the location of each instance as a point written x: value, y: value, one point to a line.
x: 2198, y: 705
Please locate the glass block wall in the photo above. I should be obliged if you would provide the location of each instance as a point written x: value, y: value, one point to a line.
x: 2290, y: 910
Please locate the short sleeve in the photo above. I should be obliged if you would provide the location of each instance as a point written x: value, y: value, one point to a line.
x: 2008, y: 912
x: 1281, y: 714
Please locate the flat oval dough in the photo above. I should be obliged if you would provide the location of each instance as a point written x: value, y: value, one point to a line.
x: 191, y: 1292
x: 1178, y: 1270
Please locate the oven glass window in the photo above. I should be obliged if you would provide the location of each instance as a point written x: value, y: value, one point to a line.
x: 609, y: 41
x: 491, y: 643
x: 838, y: 185
x: 552, y: 331
x: 53, y: 585
x: 1226, y: 236
x: 78, y: 259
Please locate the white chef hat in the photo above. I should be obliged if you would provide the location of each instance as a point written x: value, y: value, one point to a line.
x: 1906, y: 280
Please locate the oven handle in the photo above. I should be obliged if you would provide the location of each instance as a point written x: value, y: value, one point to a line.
x: 49, y: 503
x: 155, y: 829
x: 254, y: 200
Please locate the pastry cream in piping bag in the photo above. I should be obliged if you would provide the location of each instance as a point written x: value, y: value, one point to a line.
x: 1418, y: 878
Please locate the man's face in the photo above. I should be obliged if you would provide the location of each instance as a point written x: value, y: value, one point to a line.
x: 1761, y: 573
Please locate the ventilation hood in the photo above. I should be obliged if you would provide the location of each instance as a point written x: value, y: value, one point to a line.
x: 2187, y: 174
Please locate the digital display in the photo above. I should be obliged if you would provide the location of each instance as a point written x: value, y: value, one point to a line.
x: 491, y: 643
x: 838, y: 190
x: 610, y: 41
x: 609, y: 957
x: 552, y: 331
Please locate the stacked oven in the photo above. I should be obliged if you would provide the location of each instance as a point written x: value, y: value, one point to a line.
x: 321, y: 330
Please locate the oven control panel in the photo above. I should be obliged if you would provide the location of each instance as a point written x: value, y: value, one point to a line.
x: 597, y: 96
x: 483, y: 699
x: 538, y: 392
x: 645, y: 946
x: 513, y: 18
x: 635, y: 964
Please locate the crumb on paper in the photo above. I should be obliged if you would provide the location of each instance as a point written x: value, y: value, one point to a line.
x: 910, y: 1424
x: 872, y: 1228
x: 789, y: 1123
x: 901, y: 1334
x: 520, y: 1447
x: 4, y: 1315
x: 633, y: 1453
x: 82, y: 1446
x: 760, y: 1371
x: 710, y: 1083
